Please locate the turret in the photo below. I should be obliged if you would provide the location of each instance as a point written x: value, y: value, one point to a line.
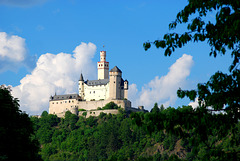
x: 81, y: 87
x: 103, y: 66
x: 126, y: 89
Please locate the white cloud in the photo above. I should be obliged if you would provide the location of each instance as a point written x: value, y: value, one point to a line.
x: 21, y: 3
x: 52, y: 73
x: 12, y: 47
x: 13, y: 52
x: 163, y: 90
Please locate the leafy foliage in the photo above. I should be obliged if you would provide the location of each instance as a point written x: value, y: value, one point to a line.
x: 221, y: 35
x: 217, y: 117
x: 169, y: 134
x: 107, y: 137
x: 203, y: 133
x: 110, y: 105
x: 16, y: 130
x: 221, y: 92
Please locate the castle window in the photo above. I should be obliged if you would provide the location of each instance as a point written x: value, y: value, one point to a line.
x: 69, y: 101
x: 53, y: 103
x: 57, y: 102
x: 93, y: 91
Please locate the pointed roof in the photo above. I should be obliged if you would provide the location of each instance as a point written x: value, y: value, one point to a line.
x: 81, y: 77
x: 115, y: 69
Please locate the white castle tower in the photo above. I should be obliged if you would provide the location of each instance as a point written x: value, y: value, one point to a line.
x: 103, y: 66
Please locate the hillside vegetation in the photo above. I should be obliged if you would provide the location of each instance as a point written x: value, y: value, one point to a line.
x: 124, y: 137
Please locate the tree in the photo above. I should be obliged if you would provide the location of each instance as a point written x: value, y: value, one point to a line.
x: 155, y: 108
x: 221, y: 35
x: 110, y: 105
x: 16, y: 130
x: 161, y: 108
x: 70, y: 120
x: 222, y: 92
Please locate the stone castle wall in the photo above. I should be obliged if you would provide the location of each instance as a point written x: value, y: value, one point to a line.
x: 92, y: 105
x: 98, y: 112
x: 59, y: 107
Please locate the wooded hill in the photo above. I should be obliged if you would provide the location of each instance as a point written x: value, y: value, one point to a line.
x: 130, y: 137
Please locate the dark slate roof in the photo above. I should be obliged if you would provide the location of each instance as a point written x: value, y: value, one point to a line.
x: 81, y: 77
x: 115, y: 69
x: 97, y: 82
x: 64, y: 97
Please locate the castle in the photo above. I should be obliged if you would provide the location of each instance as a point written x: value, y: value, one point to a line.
x: 94, y: 94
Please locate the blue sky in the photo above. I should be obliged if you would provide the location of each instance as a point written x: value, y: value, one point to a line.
x: 55, y: 26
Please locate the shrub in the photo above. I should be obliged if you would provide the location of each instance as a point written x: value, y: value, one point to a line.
x: 110, y: 105
x: 84, y: 114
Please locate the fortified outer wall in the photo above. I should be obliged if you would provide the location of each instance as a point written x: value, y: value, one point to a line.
x: 93, y: 105
x: 98, y: 112
x: 59, y: 107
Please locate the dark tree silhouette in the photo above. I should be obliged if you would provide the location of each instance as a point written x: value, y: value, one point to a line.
x: 16, y: 130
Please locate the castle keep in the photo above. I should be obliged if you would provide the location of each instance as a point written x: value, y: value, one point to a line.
x: 110, y: 87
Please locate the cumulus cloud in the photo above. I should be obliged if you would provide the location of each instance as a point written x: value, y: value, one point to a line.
x: 195, y: 103
x: 54, y: 73
x: 12, y: 47
x: 21, y: 3
x: 13, y: 52
x: 163, y: 89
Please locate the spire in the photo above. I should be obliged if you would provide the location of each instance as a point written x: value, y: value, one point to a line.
x: 81, y: 77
